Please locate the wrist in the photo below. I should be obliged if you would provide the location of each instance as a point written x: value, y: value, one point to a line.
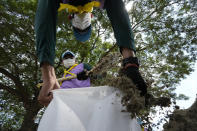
x: 130, y: 61
x: 48, y: 72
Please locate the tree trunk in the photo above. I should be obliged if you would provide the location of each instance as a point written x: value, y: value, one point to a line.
x: 29, y: 117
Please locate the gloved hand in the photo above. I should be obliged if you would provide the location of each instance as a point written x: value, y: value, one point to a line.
x: 82, y: 75
x: 131, y: 69
x: 134, y: 74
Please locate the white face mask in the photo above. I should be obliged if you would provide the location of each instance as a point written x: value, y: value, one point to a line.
x: 69, y: 62
x: 81, y: 21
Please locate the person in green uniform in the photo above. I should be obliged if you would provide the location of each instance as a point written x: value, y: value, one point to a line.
x: 45, y: 29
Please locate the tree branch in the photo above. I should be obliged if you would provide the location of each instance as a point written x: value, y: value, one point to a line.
x: 9, y: 89
x: 144, y: 19
x: 11, y: 76
x: 141, y: 49
x: 106, y: 53
x: 8, y: 74
x: 156, y: 9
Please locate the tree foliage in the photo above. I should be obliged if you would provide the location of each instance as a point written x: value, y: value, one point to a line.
x: 166, y: 42
x: 165, y: 34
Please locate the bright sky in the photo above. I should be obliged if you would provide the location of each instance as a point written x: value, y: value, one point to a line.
x: 188, y: 87
x: 128, y: 6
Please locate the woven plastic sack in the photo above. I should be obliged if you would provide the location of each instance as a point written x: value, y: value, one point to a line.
x: 87, y: 109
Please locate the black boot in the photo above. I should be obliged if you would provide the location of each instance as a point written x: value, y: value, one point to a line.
x: 131, y: 69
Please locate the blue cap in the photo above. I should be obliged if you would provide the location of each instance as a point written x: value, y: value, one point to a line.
x: 68, y: 53
x: 82, y: 36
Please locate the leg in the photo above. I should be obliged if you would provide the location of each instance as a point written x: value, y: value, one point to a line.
x: 45, y: 29
x: 124, y: 36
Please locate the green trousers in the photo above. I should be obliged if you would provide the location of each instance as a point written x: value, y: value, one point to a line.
x: 45, y: 27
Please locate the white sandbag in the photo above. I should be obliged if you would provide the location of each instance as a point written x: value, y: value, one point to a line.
x: 87, y: 109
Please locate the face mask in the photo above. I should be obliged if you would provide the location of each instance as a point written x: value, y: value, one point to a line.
x: 81, y: 21
x: 69, y: 62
